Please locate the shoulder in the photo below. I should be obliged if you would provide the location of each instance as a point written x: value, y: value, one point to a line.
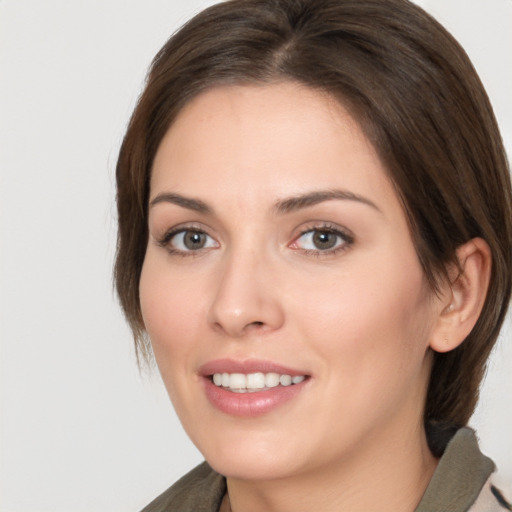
x: 462, y: 480
x: 200, y: 490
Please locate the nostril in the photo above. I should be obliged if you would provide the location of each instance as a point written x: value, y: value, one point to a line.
x: 255, y: 326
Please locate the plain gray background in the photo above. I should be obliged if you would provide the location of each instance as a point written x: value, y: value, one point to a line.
x: 81, y: 430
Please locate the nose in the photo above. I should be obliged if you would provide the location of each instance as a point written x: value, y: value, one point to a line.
x: 246, y: 298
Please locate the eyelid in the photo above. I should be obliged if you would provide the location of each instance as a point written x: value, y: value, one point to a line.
x: 166, y: 228
x: 165, y: 240
x: 171, y: 232
x: 345, y: 235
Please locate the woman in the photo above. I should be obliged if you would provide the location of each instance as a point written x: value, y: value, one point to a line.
x: 315, y: 240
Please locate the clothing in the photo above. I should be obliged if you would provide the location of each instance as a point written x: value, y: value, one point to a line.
x: 462, y: 479
x: 200, y: 490
x: 461, y: 483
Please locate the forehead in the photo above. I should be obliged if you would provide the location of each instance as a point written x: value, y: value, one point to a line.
x: 270, y: 141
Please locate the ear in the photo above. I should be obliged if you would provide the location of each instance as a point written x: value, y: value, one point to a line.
x: 464, y: 296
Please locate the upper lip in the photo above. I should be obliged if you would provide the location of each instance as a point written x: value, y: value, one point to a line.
x: 246, y: 366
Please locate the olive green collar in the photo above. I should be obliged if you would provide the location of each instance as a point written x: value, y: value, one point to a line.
x: 459, y: 477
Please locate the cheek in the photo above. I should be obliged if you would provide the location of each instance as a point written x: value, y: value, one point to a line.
x: 170, y: 308
x: 371, y: 322
x: 371, y: 346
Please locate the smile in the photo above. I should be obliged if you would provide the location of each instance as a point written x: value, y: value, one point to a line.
x: 253, y: 382
x: 251, y: 388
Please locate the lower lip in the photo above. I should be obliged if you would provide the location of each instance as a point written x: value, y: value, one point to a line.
x: 253, y: 404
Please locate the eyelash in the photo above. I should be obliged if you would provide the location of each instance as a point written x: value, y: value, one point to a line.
x: 166, y: 240
x: 346, y: 237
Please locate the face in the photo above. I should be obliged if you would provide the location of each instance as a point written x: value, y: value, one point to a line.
x: 287, y: 309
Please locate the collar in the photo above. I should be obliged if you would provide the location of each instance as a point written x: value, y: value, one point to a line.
x: 459, y: 477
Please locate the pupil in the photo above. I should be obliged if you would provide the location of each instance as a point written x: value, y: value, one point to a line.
x: 324, y: 240
x: 194, y: 240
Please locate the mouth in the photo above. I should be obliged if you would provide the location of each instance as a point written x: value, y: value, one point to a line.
x: 250, y: 388
x: 254, y: 382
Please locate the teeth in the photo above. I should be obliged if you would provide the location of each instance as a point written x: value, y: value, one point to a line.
x: 285, y: 380
x: 271, y: 380
x: 256, y: 380
x: 242, y: 383
x: 237, y: 381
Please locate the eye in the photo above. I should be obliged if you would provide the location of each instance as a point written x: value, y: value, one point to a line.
x: 323, y: 239
x: 188, y: 240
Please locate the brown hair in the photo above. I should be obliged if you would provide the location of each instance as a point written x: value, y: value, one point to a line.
x: 417, y: 97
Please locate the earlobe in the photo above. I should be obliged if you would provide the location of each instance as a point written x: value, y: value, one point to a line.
x: 465, y: 296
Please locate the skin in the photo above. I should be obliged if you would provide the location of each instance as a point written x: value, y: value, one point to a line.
x: 359, y: 321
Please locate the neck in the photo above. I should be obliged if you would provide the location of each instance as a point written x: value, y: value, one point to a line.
x: 386, y: 474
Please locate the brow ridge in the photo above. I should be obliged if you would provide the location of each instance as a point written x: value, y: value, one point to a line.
x: 282, y: 206
x: 312, y: 198
x: 179, y: 200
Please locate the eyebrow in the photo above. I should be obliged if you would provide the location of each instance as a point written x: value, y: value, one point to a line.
x: 283, y: 206
x: 185, y: 202
x: 316, y: 197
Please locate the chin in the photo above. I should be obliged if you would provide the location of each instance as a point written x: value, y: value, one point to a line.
x: 252, y: 468
x: 252, y: 455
